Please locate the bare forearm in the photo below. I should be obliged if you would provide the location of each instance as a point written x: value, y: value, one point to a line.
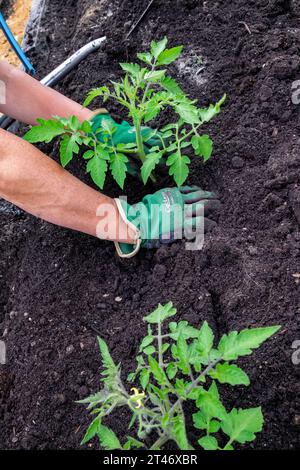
x: 27, y: 100
x: 37, y: 184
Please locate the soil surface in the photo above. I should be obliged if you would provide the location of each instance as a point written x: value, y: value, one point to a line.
x: 58, y: 288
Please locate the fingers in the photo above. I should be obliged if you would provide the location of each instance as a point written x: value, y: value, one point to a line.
x: 198, y: 225
x: 188, y: 189
x: 197, y: 195
x: 205, y: 207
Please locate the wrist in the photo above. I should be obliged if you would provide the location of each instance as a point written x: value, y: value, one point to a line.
x: 112, y: 223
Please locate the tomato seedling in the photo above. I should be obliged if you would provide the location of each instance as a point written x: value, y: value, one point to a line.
x: 174, y: 367
x: 144, y: 92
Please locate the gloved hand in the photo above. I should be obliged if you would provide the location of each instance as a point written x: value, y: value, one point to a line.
x: 167, y: 215
x: 125, y: 133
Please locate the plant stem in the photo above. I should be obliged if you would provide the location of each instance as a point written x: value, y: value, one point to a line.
x: 139, y: 140
x: 140, y: 145
x: 194, y: 384
x: 160, y: 442
x: 159, y: 341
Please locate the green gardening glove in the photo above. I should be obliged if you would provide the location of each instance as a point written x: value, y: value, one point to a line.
x: 124, y: 133
x: 168, y: 215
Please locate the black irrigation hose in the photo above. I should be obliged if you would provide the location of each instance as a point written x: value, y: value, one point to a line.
x: 61, y: 71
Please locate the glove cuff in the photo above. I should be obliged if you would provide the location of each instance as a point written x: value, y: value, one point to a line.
x: 134, y: 248
x: 98, y: 111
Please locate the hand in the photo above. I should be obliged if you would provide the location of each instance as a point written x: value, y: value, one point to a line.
x: 168, y: 215
x: 125, y: 133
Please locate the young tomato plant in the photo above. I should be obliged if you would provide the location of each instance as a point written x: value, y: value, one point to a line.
x: 176, y: 366
x: 144, y: 92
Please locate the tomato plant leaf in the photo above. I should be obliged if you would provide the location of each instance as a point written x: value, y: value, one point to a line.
x: 242, y: 425
x: 237, y: 344
x: 168, y: 56
x: 203, y: 146
x: 178, y: 167
x: 108, y: 439
x: 92, y: 430
x: 208, y: 443
x: 230, y: 374
x: 158, y: 47
x: 119, y: 168
x: 161, y: 313
x: 44, y: 131
x: 152, y: 159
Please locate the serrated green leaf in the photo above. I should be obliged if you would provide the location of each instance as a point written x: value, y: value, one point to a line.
x: 68, y: 147
x: 152, y: 159
x: 132, y: 421
x: 88, y: 154
x: 214, y: 426
x: 144, y: 378
x: 206, y: 114
x: 158, y: 47
x: 118, y: 168
x: 146, y: 342
x: 133, y: 69
x: 169, y: 55
x: 149, y: 350
x: 211, y: 405
x: 229, y: 374
x: 108, y: 439
x: 205, y: 341
x: 161, y: 313
x: 208, y: 443
x: 95, y: 93
x: 188, y: 112
x: 213, y: 389
x: 160, y: 393
x: 199, y: 420
x: 178, y: 167
x: 106, y: 358
x: 184, y: 329
x: 152, y: 109
x: 86, y: 127
x: 180, y: 386
x: 92, y: 430
x: 97, y: 167
x: 171, y: 370
x: 145, y: 57
x: 182, y: 352
x: 169, y: 84
x: 94, y: 400
x: 179, y: 433
x: 242, y: 425
x: 157, y: 372
x: 155, y: 75
x: 44, y: 131
x: 203, y: 146
x: 237, y: 344
x: 74, y: 123
x: 132, y: 443
x: 165, y: 420
x: 131, y: 376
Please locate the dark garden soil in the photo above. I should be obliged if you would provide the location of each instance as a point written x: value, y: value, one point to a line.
x: 58, y: 288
